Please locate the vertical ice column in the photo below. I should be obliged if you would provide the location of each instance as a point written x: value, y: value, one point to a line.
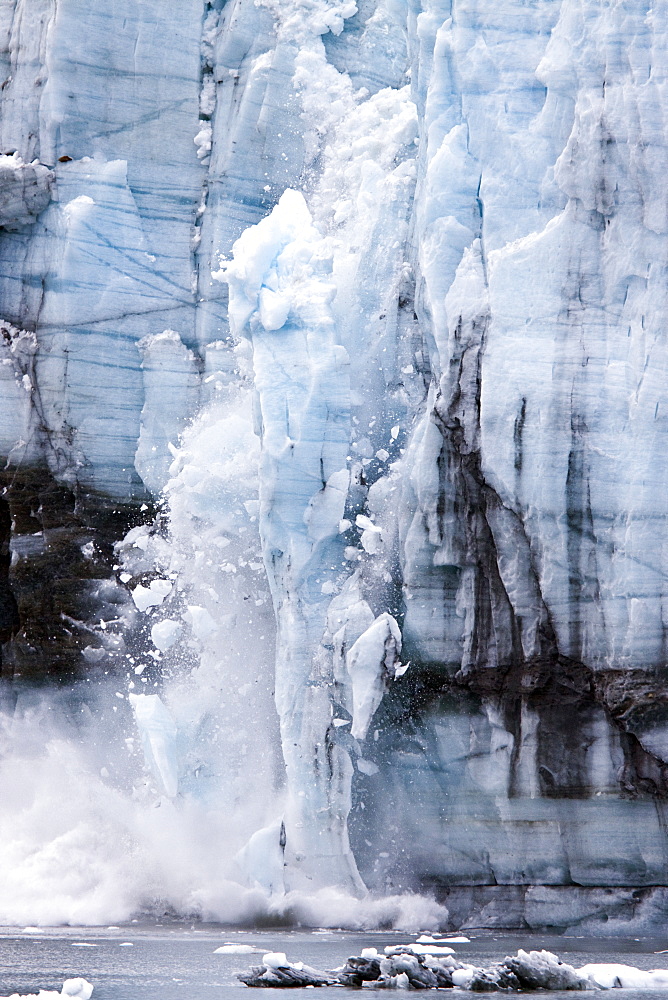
x: 280, y: 291
x: 171, y: 394
x: 158, y: 733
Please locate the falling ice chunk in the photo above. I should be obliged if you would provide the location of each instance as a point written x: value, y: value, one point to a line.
x: 274, y: 308
x: 364, y: 522
x: 164, y: 634
x: 200, y: 621
x: 371, y: 534
x: 151, y: 596
x: 158, y: 735
x: 93, y: 653
x: 371, y: 662
x: 371, y: 541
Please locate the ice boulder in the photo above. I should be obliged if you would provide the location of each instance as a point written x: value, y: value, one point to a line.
x: 165, y: 633
x: 541, y: 970
x: 151, y: 596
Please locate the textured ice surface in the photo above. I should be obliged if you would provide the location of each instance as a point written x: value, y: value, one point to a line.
x: 25, y: 190
x: 538, y: 253
x: 109, y: 261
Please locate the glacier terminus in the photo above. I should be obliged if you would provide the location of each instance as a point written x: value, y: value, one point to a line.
x: 334, y: 437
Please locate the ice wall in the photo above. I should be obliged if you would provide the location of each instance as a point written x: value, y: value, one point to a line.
x: 371, y: 296
x: 537, y: 189
x: 530, y: 491
x: 96, y: 95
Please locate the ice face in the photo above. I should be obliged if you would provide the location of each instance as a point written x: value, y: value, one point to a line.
x: 373, y: 299
x: 546, y: 365
x: 108, y: 261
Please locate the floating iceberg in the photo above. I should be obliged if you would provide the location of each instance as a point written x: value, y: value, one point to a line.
x: 405, y: 968
x: 73, y: 989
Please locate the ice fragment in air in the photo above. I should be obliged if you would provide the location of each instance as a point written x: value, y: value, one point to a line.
x: 165, y: 633
x: 200, y: 621
x: 151, y: 596
x: 371, y: 662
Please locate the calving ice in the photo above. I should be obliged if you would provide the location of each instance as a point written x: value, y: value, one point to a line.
x: 333, y: 435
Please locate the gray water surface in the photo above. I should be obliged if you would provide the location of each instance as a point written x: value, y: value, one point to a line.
x: 177, y: 962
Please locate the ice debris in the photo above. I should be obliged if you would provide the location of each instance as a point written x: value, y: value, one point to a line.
x: 151, y: 596
x: 165, y: 633
x: 73, y: 989
x: 277, y: 971
x: 404, y: 966
x: 236, y: 949
x: 371, y: 662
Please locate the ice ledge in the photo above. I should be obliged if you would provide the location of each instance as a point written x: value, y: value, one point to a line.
x: 597, y: 911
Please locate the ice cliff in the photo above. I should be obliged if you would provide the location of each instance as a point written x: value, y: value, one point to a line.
x: 353, y: 313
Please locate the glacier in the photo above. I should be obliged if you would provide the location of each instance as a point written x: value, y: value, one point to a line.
x: 331, y: 395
